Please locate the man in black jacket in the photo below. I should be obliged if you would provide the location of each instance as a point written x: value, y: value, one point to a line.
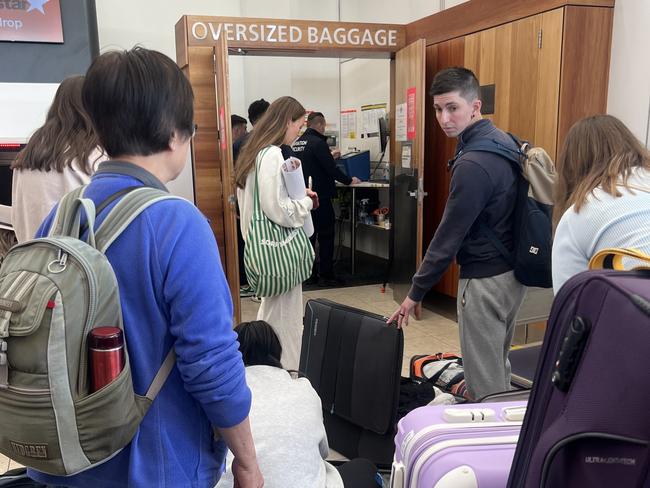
x: 482, y: 194
x: 312, y: 149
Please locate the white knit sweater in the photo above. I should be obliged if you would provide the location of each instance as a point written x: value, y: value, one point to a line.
x: 287, y: 423
x: 604, y: 221
x: 274, y: 198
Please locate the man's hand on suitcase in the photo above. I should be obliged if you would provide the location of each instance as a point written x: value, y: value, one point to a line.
x: 401, y: 315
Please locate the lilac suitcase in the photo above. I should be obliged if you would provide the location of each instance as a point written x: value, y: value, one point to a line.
x: 459, y: 446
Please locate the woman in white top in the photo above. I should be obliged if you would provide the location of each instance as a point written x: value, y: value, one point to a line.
x: 59, y: 157
x: 279, y: 125
x: 602, y: 195
x: 287, y: 423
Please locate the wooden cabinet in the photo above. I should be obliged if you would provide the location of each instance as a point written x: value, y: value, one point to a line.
x: 548, y: 70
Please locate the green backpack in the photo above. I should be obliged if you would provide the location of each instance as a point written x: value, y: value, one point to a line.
x: 53, y: 291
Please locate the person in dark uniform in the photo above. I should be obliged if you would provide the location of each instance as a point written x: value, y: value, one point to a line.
x: 312, y: 149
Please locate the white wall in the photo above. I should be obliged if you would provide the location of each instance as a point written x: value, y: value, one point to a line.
x: 23, y: 108
x: 312, y: 81
x: 123, y: 24
x: 629, y: 76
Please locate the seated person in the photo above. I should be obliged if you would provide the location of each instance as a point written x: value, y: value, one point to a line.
x: 287, y: 422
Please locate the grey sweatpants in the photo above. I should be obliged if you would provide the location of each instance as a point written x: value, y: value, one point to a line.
x: 487, y: 308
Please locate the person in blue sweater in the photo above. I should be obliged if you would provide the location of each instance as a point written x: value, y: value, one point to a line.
x: 172, y: 288
x: 482, y: 193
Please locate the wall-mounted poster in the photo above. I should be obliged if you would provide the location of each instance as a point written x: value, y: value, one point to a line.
x: 31, y: 21
x: 410, y: 111
x: 349, y: 123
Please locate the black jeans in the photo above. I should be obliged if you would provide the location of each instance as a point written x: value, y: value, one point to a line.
x: 359, y: 473
x: 324, y: 223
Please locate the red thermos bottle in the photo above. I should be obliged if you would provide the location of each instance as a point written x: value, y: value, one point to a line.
x: 106, y: 351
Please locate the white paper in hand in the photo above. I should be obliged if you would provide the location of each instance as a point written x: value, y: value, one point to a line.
x: 295, y: 184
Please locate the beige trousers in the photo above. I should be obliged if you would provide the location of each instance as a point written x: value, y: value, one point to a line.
x: 284, y: 313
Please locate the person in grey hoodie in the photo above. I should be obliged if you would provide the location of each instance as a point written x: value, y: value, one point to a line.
x: 287, y: 422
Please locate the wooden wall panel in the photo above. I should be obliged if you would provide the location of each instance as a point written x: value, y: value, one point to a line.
x: 548, y: 82
x: 477, y: 16
x: 438, y: 150
x: 502, y: 70
x: 585, y: 65
x: 523, y: 78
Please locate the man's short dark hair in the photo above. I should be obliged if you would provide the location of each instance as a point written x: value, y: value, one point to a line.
x: 457, y: 79
x: 236, y: 120
x: 137, y: 100
x: 315, y: 118
x: 257, y: 109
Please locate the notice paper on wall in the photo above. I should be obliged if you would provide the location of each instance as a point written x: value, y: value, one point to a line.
x: 349, y: 123
x: 400, y: 122
x: 371, y: 115
x: 294, y: 181
x: 406, y: 155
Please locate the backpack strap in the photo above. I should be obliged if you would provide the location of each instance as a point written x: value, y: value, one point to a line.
x: 64, y: 219
x: 494, y: 146
x: 125, y: 211
x: 133, y: 202
x: 162, y: 375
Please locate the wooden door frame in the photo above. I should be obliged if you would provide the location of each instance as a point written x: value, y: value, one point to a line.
x: 212, y: 167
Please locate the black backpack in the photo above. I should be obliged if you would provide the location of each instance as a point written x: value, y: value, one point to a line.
x: 532, y: 226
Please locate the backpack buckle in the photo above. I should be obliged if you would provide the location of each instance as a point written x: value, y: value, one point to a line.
x: 4, y: 366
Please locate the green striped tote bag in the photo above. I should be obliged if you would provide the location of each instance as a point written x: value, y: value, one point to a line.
x: 276, y: 258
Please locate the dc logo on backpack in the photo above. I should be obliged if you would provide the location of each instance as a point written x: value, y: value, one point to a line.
x: 53, y: 291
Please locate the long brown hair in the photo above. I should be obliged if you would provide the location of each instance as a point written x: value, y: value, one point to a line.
x: 66, y: 136
x: 269, y: 130
x: 598, y: 151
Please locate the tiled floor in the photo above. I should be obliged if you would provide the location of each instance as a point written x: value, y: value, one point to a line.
x: 433, y: 333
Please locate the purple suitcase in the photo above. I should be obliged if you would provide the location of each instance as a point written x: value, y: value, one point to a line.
x: 588, y: 421
x: 459, y: 446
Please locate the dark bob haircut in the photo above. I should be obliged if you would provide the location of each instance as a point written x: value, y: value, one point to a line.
x: 259, y: 344
x: 136, y: 100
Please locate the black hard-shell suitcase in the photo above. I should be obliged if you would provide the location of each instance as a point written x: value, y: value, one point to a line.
x: 354, y: 361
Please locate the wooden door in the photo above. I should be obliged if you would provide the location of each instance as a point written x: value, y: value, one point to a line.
x: 229, y: 198
x: 407, y: 194
x: 207, y: 69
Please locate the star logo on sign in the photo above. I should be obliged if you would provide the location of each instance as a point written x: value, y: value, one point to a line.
x: 37, y: 5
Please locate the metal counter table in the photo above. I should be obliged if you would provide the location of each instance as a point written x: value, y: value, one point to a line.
x: 353, y: 214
